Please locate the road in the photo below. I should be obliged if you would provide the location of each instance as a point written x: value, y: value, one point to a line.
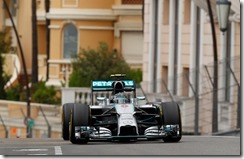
x: 189, y: 145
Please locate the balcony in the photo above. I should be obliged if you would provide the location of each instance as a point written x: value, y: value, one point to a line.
x: 59, y: 71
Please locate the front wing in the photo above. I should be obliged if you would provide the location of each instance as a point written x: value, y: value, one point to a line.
x: 150, y: 133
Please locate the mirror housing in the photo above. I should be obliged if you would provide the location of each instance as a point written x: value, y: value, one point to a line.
x: 101, y: 98
x: 141, y: 98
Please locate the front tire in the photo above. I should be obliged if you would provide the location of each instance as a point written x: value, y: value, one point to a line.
x: 172, y: 116
x: 80, y: 116
x: 65, y: 120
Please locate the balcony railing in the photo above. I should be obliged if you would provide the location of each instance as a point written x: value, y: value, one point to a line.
x: 59, y: 72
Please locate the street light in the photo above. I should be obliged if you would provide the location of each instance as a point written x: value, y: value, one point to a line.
x: 223, y: 7
x: 28, y: 100
x: 223, y: 10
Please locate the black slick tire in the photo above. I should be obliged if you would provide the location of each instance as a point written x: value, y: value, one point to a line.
x: 80, y: 116
x: 66, y: 119
x: 172, y: 116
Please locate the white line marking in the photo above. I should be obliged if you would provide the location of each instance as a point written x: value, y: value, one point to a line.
x: 37, y: 154
x: 31, y: 150
x: 211, y: 136
x: 58, y: 150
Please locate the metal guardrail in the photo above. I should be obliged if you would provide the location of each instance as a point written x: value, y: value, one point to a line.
x: 4, y: 126
x: 49, y: 128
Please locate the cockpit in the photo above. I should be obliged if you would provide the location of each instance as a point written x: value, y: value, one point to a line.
x: 120, y: 98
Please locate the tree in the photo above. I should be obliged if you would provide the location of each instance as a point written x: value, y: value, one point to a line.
x: 5, y: 44
x: 44, y: 94
x: 93, y: 64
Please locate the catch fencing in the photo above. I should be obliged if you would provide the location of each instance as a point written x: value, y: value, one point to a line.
x: 193, y: 91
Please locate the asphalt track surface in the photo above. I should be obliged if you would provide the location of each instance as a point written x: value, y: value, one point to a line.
x: 188, y: 146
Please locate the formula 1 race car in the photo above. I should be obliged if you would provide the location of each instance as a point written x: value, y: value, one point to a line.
x: 120, y: 117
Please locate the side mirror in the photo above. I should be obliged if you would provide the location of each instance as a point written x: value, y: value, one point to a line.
x: 140, y: 98
x: 101, y: 98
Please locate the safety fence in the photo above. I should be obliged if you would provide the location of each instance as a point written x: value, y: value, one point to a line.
x: 193, y: 91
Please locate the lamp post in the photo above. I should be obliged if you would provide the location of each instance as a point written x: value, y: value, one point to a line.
x: 29, y: 128
x: 223, y: 7
x: 223, y: 11
x: 215, y: 80
x: 47, y: 8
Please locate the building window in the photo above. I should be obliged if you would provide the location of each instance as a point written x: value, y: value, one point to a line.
x: 132, y: 1
x: 13, y: 5
x: 132, y: 48
x: 185, y: 83
x: 70, y: 38
x: 70, y: 3
x: 166, y: 12
x: 165, y: 79
x: 187, y: 12
x: 14, y: 8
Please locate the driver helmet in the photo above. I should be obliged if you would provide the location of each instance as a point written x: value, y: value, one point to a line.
x: 120, y: 98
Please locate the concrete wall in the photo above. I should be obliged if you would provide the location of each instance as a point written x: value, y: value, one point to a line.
x: 13, y: 115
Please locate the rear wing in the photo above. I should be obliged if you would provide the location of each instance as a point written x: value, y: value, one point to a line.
x: 102, y: 85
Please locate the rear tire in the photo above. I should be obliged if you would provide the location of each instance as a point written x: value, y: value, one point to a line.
x: 80, y: 116
x: 172, y: 116
x: 65, y: 120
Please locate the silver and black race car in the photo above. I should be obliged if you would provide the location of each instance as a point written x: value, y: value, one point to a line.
x: 120, y: 116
